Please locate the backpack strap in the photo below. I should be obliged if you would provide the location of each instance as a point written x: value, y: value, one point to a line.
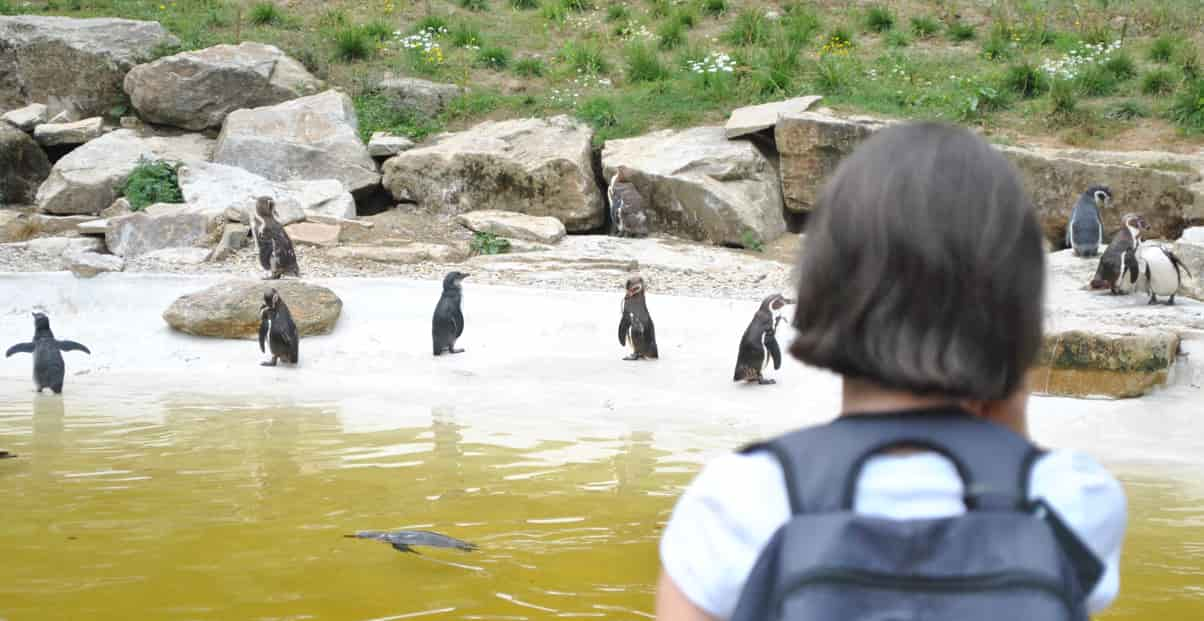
x: 822, y: 464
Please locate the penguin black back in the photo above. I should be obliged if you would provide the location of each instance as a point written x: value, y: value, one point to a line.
x: 1085, y: 231
x: 277, y: 330
x: 1118, y: 265
x: 759, y: 342
x: 48, y: 366
x: 635, y: 326
x: 447, y: 324
x: 276, y: 254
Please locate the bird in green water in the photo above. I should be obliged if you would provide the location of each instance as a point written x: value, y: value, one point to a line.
x: 402, y: 540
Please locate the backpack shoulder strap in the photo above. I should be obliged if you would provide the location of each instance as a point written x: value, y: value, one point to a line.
x: 821, y: 464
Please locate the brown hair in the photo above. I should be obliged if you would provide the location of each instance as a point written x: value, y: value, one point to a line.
x: 922, y: 268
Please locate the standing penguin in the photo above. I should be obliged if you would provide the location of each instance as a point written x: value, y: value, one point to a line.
x: 48, y: 367
x: 276, y: 254
x: 1118, y: 270
x: 635, y: 327
x: 277, y: 328
x: 1085, y: 231
x: 626, y: 206
x: 1160, y: 267
x: 448, y: 322
x: 759, y: 338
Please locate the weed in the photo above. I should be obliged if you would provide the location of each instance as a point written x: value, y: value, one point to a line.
x: 1188, y: 60
x: 979, y: 101
x: 1063, y: 98
x: 776, y: 68
x: 670, y: 35
x: 1026, y: 80
x: 309, y: 59
x: 431, y: 23
x: 660, y: 8
x: 524, y: 5
x: 831, y: 75
x: 643, y: 64
x: 1127, y: 111
x: 466, y: 34
x: 353, y: 43
x: 1096, y: 81
x: 6, y: 8
x: 599, y: 112
x: 488, y: 243
x: 997, y: 47
x: 897, y: 38
x: 749, y: 28
x: 959, y: 31
x: 529, y: 68
x: 1187, y: 110
x: 554, y: 13
x: 879, y: 19
x: 840, y: 37
x: 1098, y: 34
x: 333, y: 18
x: 1121, y: 66
x: 1163, y: 49
x: 800, y: 25
x: 494, y: 56
x: 152, y: 181
x: 266, y: 14
x: 751, y: 241
x: 378, y: 30
x: 924, y: 27
x: 1161, y: 81
x: 585, y: 58
x: 618, y: 13
x: 714, y: 8
x: 578, y: 6
x: 474, y: 5
x: 376, y: 113
x: 686, y: 17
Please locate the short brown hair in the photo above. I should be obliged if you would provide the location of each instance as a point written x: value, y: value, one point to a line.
x: 922, y: 268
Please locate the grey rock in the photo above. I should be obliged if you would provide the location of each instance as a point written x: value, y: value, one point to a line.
x: 15, y: 226
x: 23, y: 166
x: 91, y: 264
x: 162, y: 226
x: 384, y: 144
x: 93, y: 227
x: 58, y: 225
x: 414, y: 95
x: 1193, y: 235
x: 60, y: 246
x: 178, y: 256
x: 27, y: 118
x: 78, y: 132
x: 752, y: 119
x: 234, y: 237
x: 231, y: 309
x: 812, y: 145
x: 514, y: 225
x: 416, y: 252
x: 233, y: 191
x: 314, y: 234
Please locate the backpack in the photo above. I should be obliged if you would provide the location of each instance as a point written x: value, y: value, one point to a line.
x: 1005, y: 559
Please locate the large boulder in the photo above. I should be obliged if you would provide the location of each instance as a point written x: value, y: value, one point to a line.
x: 89, y: 178
x: 162, y: 226
x: 216, y: 187
x: 1190, y: 250
x: 417, y: 96
x: 69, y: 134
x: 27, y: 118
x: 540, y: 167
x: 23, y: 166
x: 196, y: 90
x: 698, y: 184
x: 87, y: 264
x: 752, y: 119
x: 812, y: 145
x: 72, y: 64
x: 1118, y: 364
x: 309, y: 138
x: 405, y: 254
x: 513, y: 225
x: 231, y: 309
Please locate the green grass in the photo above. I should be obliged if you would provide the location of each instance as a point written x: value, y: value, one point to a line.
x: 776, y: 70
x: 578, y: 6
x: 151, y: 182
x: 494, y: 57
x: 465, y: 34
x: 599, y: 112
x: 333, y: 18
x: 1163, y: 48
x: 529, y: 68
x: 585, y: 57
x: 897, y: 38
x: 6, y: 8
x: 997, y: 47
x: 959, y: 31
x: 266, y: 14
x: 524, y: 5
x: 488, y: 243
x: 1126, y: 111
x: 474, y: 5
x: 618, y: 13
x: 750, y: 241
x: 376, y: 113
x: 800, y: 25
x: 1188, y: 61
x: 1096, y: 81
x: 749, y: 28
x: 378, y: 30
x: 1063, y: 98
x: 924, y: 27
x: 1026, y: 80
x: 714, y: 8
x: 1187, y: 109
x: 670, y: 35
x: 643, y: 63
x: 554, y: 13
x: 685, y: 16
x: 353, y: 43
x: 1160, y: 81
x: 1121, y: 65
x: 832, y: 75
x: 879, y: 19
x: 430, y: 22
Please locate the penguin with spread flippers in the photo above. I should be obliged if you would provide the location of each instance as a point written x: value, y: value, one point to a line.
x: 760, y: 343
x: 447, y: 324
x: 626, y: 206
x: 276, y: 254
x: 277, y: 329
x: 1161, y: 270
x: 404, y: 540
x: 1118, y: 270
x: 635, y: 326
x: 48, y: 367
x: 1085, y: 231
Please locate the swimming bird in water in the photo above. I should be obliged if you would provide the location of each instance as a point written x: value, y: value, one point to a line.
x: 402, y: 540
x: 48, y: 367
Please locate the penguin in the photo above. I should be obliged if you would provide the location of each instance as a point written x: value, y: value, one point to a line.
x: 626, y: 206
x: 1118, y: 270
x: 48, y: 368
x: 448, y: 322
x: 635, y: 327
x: 1161, y: 269
x: 404, y: 540
x: 276, y: 254
x: 277, y: 328
x: 1085, y: 231
x: 759, y: 338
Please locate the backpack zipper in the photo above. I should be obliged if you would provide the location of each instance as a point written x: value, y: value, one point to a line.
x: 1006, y: 580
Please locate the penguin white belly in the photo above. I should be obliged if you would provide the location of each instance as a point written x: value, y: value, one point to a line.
x: 1163, y: 277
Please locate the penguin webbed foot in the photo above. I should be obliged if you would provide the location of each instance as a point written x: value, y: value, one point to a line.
x: 452, y: 350
x: 762, y: 381
x: 1171, y: 301
x: 268, y: 363
x: 632, y: 357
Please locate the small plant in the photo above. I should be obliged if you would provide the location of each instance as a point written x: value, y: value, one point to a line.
x: 1096, y: 81
x: 524, y: 5
x: 879, y: 19
x: 831, y: 75
x: 152, y: 181
x: 1127, y: 111
x: 488, y: 243
x: 997, y: 48
x: 643, y: 64
x: 750, y: 241
x: 897, y: 38
x: 1161, y: 81
x: 579, y: 6
x: 333, y: 18
x: 465, y: 34
x: 670, y: 35
x: 6, y: 8
x: 494, y: 56
x: 685, y: 17
x: 618, y: 13
x: 599, y: 113
x: 959, y: 31
x: 749, y: 28
x: 1099, y: 34
x: 775, y: 68
x: 1163, y: 49
x: 585, y: 58
x: 1026, y: 80
x: 714, y: 8
x: 554, y: 12
x: 660, y: 8
x: 924, y: 27
x: 309, y: 59
x: 1188, y: 60
x: 376, y: 113
x: 431, y: 23
x: 979, y: 101
x: 1064, y: 99
x: 529, y: 67
x: 353, y: 43
x: 474, y: 5
x: 378, y: 30
x: 800, y: 25
x: 266, y: 14
x: 1187, y: 110
x: 1121, y: 66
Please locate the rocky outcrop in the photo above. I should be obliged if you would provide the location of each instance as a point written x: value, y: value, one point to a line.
x: 540, y: 167
x: 513, y: 225
x: 410, y: 253
x: 313, y: 234
x: 89, y: 178
x: 72, y: 64
x: 196, y: 90
x: 231, y: 309
x: 812, y: 145
x: 234, y: 237
x: 417, y: 96
x: 15, y: 226
x: 27, y: 118
x: 58, y: 225
x: 162, y: 226
x: 698, y: 184
x: 61, y: 246
x: 215, y: 187
x: 86, y: 264
x: 308, y: 139
x: 23, y: 166
x: 69, y: 134
x: 752, y: 119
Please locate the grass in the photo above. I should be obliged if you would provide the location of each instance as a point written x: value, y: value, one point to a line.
x: 960, y: 32
x: 1127, y: 111
x: 578, y: 6
x: 151, y: 182
x: 1160, y: 81
x: 266, y: 14
x: 554, y: 13
x: 377, y: 114
x: 997, y: 47
x: 524, y: 5
x: 1163, y: 48
x: 1063, y: 98
x: 474, y: 5
x: 488, y: 243
x: 643, y: 64
x: 618, y: 13
x: 494, y: 57
x: 353, y: 43
x: 750, y: 28
x: 6, y: 8
x: 465, y: 34
x: 430, y: 22
x: 800, y: 25
x: 670, y: 35
x: 1096, y: 81
x: 1187, y: 109
x: 599, y: 112
x: 1026, y: 80
x: 378, y: 30
x: 529, y: 68
x: 924, y: 27
x: 714, y: 8
x: 750, y: 241
x: 897, y: 38
x: 1121, y: 65
x: 585, y: 58
x: 879, y: 19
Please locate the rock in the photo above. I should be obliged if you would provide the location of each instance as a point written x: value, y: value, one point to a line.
x: 811, y: 145
x: 384, y: 144
x: 88, y: 179
x: 196, y: 90
x: 1079, y: 363
x: 231, y: 309
x: 23, y: 166
x: 1192, y: 255
x: 25, y: 119
x: 513, y: 225
x: 1193, y: 235
x: 540, y: 167
x: 90, y: 264
x: 752, y: 119
x: 131, y: 122
x: 61, y: 246
x: 405, y: 254
x: 72, y: 64
x: 58, y: 225
x: 413, y: 95
x: 62, y: 117
x: 698, y: 184
x: 309, y: 138
x: 93, y: 227
x: 313, y: 234
x: 220, y: 188
x: 15, y: 226
x: 162, y: 226
x: 179, y: 256
x: 234, y: 237
x: 79, y: 132
x: 120, y: 207
x: 344, y: 224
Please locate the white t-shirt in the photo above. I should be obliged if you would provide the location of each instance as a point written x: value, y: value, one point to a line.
x: 728, y: 514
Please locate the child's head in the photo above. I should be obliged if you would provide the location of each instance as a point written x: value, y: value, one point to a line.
x: 922, y: 269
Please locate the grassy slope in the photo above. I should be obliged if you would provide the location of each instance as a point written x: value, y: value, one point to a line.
x: 625, y: 67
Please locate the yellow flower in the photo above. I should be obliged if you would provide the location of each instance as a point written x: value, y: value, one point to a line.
x: 162, y: 8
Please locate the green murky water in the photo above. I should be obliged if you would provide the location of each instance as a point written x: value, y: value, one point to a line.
x: 176, y: 510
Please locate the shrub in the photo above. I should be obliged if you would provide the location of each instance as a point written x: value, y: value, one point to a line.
x: 924, y: 27
x: 529, y: 67
x: 488, y: 243
x: 152, y: 181
x: 897, y: 38
x: 749, y: 28
x: 800, y: 26
x: 598, y: 112
x: 524, y: 5
x: 474, y: 5
x: 1121, y: 66
x: 378, y: 30
x: 1095, y: 80
x: 266, y: 14
x: 1160, y: 81
x: 979, y: 101
x: 618, y: 13
x: 714, y: 8
x: 579, y: 6
x: 959, y: 31
x: 1127, y: 111
x: 643, y: 64
x: 1187, y: 110
x: 494, y: 57
x: 465, y: 34
x: 353, y: 44
x: 670, y: 35
x: 879, y: 19
x: 1063, y: 98
x: 1026, y: 80
x: 585, y: 57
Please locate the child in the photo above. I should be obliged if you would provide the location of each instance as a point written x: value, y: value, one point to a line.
x: 920, y: 283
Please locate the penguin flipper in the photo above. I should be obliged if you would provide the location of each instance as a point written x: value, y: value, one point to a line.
x: 652, y: 351
x: 458, y: 317
x: 73, y: 346
x: 1175, y: 261
x: 624, y: 327
x: 263, y: 333
x: 19, y: 348
x: 771, y: 344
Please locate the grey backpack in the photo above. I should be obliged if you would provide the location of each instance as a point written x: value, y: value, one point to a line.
x: 1004, y: 559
